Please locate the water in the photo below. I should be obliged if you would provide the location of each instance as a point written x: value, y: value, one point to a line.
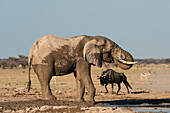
x: 146, y: 108
x: 144, y: 105
x: 155, y: 110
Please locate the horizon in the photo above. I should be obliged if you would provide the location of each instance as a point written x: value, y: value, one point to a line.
x: 134, y: 58
x: 140, y: 27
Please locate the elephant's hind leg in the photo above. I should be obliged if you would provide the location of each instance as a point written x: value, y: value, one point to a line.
x: 80, y: 89
x: 44, y: 74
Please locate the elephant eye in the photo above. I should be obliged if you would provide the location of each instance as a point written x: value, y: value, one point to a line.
x: 101, y: 47
x: 122, y: 56
x: 96, y: 46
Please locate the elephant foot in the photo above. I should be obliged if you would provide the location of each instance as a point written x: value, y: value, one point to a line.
x: 91, y: 102
x: 81, y: 100
x: 49, y: 97
x: 113, y: 92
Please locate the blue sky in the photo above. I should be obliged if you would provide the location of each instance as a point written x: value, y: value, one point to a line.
x: 140, y: 27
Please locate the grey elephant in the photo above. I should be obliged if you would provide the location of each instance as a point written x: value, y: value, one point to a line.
x: 55, y: 56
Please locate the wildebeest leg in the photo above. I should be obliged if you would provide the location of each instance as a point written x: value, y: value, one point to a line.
x: 112, y: 88
x: 106, y: 88
x: 118, y: 88
x: 84, y: 75
x: 80, y: 89
x: 44, y: 74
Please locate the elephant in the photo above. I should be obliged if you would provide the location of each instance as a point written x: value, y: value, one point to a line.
x: 52, y: 55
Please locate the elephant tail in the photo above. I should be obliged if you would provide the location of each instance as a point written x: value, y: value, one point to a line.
x: 29, y: 69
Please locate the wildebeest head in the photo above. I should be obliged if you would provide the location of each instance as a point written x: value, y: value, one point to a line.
x: 103, y: 79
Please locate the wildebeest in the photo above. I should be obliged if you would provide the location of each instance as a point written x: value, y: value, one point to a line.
x: 109, y: 76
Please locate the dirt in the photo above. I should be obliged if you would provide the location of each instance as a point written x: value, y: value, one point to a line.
x: 153, y: 92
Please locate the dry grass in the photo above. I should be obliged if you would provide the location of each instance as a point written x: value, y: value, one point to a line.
x: 158, y: 81
x: 13, y: 93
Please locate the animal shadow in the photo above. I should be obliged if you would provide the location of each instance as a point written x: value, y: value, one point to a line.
x: 139, y: 92
x: 137, y: 103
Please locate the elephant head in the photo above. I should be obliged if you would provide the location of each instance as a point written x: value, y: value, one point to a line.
x: 123, y: 58
x: 102, y: 49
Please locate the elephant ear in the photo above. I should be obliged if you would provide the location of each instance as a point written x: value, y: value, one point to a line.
x: 92, y: 52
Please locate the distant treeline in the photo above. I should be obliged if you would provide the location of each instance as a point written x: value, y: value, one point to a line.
x: 153, y: 61
x: 13, y: 62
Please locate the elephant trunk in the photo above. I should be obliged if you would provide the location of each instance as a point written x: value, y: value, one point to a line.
x: 123, y: 58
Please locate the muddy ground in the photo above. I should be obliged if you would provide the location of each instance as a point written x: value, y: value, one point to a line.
x: 153, y: 92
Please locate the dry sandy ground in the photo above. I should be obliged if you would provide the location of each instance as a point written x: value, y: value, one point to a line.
x: 153, y: 92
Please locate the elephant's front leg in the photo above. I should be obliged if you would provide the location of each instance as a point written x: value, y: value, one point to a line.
x: 84, y: 75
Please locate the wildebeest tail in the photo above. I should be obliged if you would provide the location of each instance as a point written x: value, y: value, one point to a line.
x: 127, y: 83
x: 29, y: 69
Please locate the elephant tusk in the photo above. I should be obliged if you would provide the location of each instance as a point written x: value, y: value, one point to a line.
x: 127, y: 62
